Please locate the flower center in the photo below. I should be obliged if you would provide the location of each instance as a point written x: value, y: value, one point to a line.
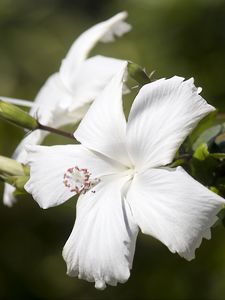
x: 79, y: 180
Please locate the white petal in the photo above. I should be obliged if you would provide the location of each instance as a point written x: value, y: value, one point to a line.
x: 101, y: 246
x: 56, y: 106
x: 49, y: 164
x: 83, y: 45
x: 18, y: 102
x: 162, y: 115
x: 103, y: 127
x: 8, y: 197
x: 52, y: 101
x: 171, y: 206
x: 33, y: 138
x: 91, y: 78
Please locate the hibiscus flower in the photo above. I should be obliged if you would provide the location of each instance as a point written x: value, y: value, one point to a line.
x: 120, y: 172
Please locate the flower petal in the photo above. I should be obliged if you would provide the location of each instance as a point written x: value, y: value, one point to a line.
x: 19, y: 102
x: 53, y: 97
x: 162, y: 115
x: 8, y: 197
x: 171, y: 206
x: 103, y: 127
x: 49, y: 164
x: 101, y: 246
x: 91, y: 78
x: 80, y: 49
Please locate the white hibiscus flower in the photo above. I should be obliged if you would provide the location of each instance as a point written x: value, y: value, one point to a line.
x: 67, y: 94
x: 120, y: 173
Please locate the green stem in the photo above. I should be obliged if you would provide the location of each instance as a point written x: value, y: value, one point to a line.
x: 56, y: 131
x: 183, y: 156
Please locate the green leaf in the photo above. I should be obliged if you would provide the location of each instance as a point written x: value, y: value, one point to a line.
x: 207, y: 136
x: 201, y: 152
x: 204, y: 124
x: 138, y: 74
x: 207, y: 167
x: 215, y: 190
x: 221, y: 216
x: 203, y: 165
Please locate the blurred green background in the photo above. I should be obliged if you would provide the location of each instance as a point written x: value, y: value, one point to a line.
x: 173, y: 37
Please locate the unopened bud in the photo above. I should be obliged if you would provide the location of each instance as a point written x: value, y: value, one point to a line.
x: 14, y: 173
x: 137, y: 73
x: 17, y: 116
x: 17, y: 181
x: 11, y: 166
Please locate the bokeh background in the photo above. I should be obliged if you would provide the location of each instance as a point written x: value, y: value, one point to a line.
x: 173, y: 37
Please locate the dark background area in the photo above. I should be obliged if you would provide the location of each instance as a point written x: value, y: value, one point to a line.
x: 173, y: 37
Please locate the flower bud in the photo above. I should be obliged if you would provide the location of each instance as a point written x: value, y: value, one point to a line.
x: 11, y: 166
x: 17, y: 116
x: 138, y: 74
x: 13, y: 172
x: 17, y: 181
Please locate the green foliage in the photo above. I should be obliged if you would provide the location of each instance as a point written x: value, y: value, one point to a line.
x: 221, y: 218
x: 208, y: 168
x: 203, y: 154
x: 220, y: 142
x: 207, y: 136
x: 203, y: 165
x: 204, y: 124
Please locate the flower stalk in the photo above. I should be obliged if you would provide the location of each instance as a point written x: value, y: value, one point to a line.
x: 56, y: 131
x: 19, y: 117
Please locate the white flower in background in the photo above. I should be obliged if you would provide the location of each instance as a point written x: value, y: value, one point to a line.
x: 120, y: 172
x: 67, y: 94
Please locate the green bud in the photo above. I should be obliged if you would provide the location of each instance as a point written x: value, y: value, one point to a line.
x: 17, y: 116
x: 138, y: 74
x: 17, y: 181
x: 14, y: 173
x: 11, y: 166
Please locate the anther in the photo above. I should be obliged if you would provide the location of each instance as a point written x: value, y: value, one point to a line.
x: 79, y: 180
